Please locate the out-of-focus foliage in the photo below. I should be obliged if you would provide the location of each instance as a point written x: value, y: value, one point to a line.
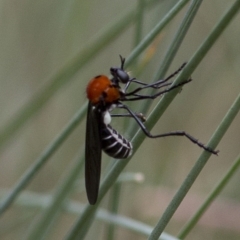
x: 39, y: 37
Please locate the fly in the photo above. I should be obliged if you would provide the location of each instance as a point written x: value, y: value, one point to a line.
x: 104, y: 95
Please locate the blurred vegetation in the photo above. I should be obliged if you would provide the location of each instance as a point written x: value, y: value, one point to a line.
x: 49, y: 52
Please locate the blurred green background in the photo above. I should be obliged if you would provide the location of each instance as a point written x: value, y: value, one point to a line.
x: 39, y: 37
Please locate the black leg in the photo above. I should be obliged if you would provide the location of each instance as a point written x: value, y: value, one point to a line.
x: 141, y: 97
x: 175, y: 133
x: 156, y: 85
x: 138, y: 115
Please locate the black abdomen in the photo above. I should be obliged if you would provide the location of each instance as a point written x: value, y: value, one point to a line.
x: 114, y: 144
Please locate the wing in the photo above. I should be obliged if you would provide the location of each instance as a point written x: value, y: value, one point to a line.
x: 93, y: 152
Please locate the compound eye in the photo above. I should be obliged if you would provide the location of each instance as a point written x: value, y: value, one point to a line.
x: 122, y: 75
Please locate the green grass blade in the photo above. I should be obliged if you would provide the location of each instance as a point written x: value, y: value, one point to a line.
x: 84, y: 219
x: 223, y: 23
x: 66, y: 73
x: 195, y: 171
x: 52, y: 147
x: 178, y: 39
x: 195, y: 60
x: 212, y: 196
x: 139, y: 21
x: 42, y: 159
x: 26, y: 178
x: 157, y: 112
x: 172, y: 50
x: 42, y: 201
x: 113, y: 207
x: 154, y: 32
x: 64, y: 188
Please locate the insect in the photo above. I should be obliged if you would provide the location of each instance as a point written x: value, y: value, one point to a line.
x: 104, y: 95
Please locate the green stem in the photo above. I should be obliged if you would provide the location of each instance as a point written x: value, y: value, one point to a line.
x: 195, y: 171
x: 64, y: 188
x: 66, y: 73
x: 212, y: 196
x: 41, y: 201
x: 154, y: 32
x: 42, y: 159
